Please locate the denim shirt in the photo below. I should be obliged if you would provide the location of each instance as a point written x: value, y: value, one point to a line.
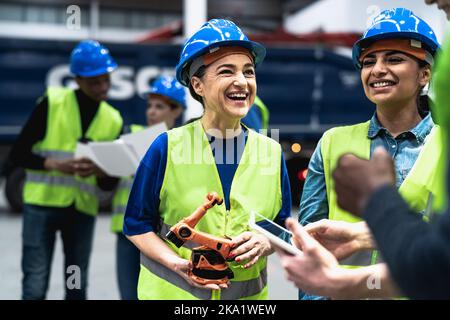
x: 404, y: 150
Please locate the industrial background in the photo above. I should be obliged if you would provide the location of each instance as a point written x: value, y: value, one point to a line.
x: 307, y: 81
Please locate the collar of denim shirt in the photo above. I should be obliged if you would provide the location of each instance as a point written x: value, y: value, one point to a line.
x: 420, y: 131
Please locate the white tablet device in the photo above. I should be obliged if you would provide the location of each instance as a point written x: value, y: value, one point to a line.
x: 277, y: 235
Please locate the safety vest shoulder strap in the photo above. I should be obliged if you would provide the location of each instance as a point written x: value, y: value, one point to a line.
x: 63, y: 115
x: 58, y: 94
x: 106, y: 125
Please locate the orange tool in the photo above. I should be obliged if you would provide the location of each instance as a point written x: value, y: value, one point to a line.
x: 208, y: 260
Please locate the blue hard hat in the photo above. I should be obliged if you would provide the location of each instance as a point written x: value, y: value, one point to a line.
x: 90, y: 59
x: 396, y: 23
x: 213, y: 34
x: 169, y: 87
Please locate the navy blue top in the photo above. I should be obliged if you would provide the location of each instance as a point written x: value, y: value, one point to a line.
x: 142, y: 215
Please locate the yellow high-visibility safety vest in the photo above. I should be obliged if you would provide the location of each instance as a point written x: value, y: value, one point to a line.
x: 418, y: 189
x: 53, y: 188
x: 190, y: 174
x: 120, y: 200
x: 441, y: 112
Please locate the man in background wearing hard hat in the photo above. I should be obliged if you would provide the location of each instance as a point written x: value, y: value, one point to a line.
x: 60, y: 192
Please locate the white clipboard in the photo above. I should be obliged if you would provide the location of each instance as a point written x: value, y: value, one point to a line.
x: 121, y: 157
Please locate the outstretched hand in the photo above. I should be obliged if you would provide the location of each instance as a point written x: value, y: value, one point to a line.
x: 315, y: 268
x: 341, y: 238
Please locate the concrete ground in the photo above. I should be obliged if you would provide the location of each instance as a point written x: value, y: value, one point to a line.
x: 102, y: 275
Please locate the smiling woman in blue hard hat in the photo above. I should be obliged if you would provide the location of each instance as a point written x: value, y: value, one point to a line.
x: 394, y: 57
x: 416, y: 252
x: 60, y: 191
x: 166, y: 101
x: 215, y: 153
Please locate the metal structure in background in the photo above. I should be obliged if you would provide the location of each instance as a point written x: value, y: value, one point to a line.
x: 252, y: 15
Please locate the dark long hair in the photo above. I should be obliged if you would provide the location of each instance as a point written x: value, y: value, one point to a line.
x: 423, y: 101
x: 199, y: 74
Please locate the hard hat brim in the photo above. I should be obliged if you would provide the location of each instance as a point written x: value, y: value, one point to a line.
x: 178, y: 102
x: 356, y: 51
x: 257, y: 50
x: 97, y: 72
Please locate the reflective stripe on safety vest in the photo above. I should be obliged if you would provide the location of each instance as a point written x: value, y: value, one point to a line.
x: 125, y: 183
x: 119, y: 208
x: 248, y: 288
x: 188, y: 178
x: 60, y: 155
x: 63, y: 180
x: 420, y: 182
x: 119, y: 203
x: 236, y: 289
x: 166, y: 228
x: 171, y: 276
x: 52, y: 188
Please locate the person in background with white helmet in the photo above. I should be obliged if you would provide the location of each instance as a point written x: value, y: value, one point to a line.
x: 60, y: 192
x: 214, y: 153
x: 394, y: 57
x: 166, y: 101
